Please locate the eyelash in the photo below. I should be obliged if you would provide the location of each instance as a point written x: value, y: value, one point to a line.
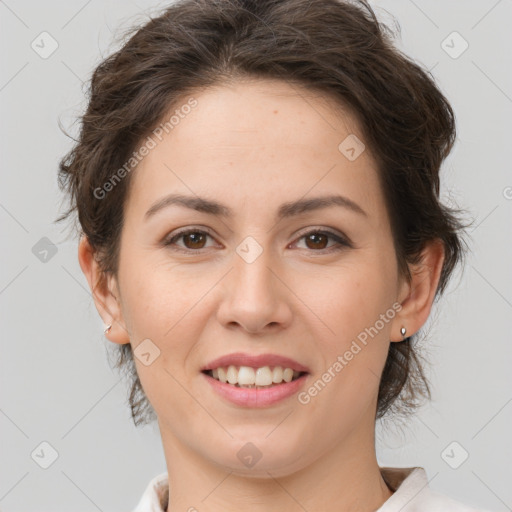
x: 342, y: 242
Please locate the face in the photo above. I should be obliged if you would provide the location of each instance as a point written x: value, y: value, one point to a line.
x: 309, y: 284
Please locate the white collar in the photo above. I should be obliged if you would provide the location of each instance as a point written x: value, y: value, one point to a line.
x: 410, y: 485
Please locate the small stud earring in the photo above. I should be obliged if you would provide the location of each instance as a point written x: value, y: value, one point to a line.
x: 403, y: 330
x: 107, y: 329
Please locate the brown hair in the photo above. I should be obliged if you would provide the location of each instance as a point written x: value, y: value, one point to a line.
x: 334, y: 47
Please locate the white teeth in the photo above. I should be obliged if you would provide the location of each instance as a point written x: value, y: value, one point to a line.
x: 221, y: 375
x: 277, y: 375
x: 263, y: 376
x: 246, y: 376
x: 288, y: 374
x: 232, y: 375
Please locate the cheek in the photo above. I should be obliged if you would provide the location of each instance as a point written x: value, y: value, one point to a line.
x: 162, y: 308
x: 155, y: 295
x: 169, y: 306
x: 353, y: 357
x: 348, y: 299
x: 357, y: 308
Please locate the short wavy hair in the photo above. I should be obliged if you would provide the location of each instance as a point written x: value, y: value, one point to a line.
x: 333, y: 47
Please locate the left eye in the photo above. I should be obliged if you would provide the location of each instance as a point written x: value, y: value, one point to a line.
x: 316, y: 240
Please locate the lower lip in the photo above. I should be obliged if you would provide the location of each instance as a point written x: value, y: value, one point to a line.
x: 254, y: 397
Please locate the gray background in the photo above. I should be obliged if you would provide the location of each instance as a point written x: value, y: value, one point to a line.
x: 56, y: 384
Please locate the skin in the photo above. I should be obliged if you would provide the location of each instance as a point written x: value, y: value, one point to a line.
x: 252, y: 146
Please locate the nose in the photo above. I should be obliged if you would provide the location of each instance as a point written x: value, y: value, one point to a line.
x: 255, y: 297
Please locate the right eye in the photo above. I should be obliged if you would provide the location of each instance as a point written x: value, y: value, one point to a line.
x: 193, y: 237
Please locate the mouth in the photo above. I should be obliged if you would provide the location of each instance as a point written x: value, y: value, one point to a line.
x: 251, y: 377
x: 255, y: 381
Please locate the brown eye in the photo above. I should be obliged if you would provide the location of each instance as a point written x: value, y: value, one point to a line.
x: 316, y: 240
x: 193, y: 239
x: 196, y: 240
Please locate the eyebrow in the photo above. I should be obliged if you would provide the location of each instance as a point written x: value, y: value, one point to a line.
x: 289, y: 209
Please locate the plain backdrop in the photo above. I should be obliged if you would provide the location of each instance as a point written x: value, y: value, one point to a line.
x: 61, y: 404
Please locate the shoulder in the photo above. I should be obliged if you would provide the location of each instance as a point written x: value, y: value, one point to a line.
x: 413, y: 494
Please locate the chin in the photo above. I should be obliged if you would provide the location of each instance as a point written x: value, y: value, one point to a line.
x: 259, y: 454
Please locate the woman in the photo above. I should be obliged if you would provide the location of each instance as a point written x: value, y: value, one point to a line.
x: 257, y: 185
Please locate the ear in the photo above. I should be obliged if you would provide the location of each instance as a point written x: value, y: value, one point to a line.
x: 418, y: 294
x: 105, y: 292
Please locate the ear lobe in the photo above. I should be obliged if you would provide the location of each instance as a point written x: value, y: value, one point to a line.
x: 104, y: 291
x: 420, y: 291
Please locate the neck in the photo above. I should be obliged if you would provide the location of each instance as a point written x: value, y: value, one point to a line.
x: 345, y: 477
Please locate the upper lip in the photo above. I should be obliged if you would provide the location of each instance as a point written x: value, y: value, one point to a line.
x: 242, y: 359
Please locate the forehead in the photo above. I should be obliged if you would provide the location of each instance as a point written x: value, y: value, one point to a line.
x: 256, y: 111
x: 257, y: 141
